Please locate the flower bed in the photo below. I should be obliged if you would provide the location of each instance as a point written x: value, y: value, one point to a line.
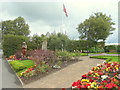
x: 41, y: 63
x: 106, y: 75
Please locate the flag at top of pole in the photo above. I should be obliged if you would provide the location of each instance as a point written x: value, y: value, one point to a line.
x: 65, y: 10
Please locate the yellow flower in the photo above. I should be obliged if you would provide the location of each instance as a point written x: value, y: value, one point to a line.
x: 34, y: 65
x: 88, y: 81
x: 94, y: 76
x: 106, y: 69
x: 21, y: 74
x: 84, y: 80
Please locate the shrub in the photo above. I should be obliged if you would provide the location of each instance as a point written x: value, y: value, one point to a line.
x: 12, y: 43
x: 65, y: 55
x: 17, y: 66
x: 96, y: 50
x: 42, y: 55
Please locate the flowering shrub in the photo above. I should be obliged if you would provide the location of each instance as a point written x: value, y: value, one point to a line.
x: 12, y: 57
x: 102, y: 76
x: 29, y: 72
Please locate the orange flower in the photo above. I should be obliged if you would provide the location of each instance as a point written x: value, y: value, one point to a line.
x: 94, y: 80
x: 115, y: 80
x: 100, y: 86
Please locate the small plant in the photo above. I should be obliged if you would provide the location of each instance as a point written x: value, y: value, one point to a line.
x: 59, y: 63
x: 64, y: 55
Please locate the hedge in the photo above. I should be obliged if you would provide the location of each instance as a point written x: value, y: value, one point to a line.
x: 12, y: 43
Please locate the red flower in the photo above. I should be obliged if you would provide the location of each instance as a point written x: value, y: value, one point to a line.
x: 90, y: 80
x: 30, y: 69
x: 84, y: 76
x: 63, y: 88
x: 79, y: 86
x: 115, y: 74
x: 78, y: 82
x: 27, y: 71
x: 74, y: 84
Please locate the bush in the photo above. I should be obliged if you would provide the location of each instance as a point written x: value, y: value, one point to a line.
x: 111, y: 47
x: 65, y: 55
x: 96, y: 50
x: 42, y: 55
x: 17, y: 66
x: 12, y: 43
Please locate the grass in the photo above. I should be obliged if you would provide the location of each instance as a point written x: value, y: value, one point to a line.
x: 85, y: 54
x: 113, y: 58
x: 26, y: 63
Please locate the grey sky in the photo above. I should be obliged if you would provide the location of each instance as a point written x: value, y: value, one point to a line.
x: 44, y: 17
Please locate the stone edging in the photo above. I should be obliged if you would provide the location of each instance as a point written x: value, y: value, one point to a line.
x: 15, y: 72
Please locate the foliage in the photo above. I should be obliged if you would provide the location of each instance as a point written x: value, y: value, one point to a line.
x: 96, y: 50
x: 112, y: 47
x: 104, y: 76
x: 57, y: 41
x: 82, y: 45
x: 75, y: 54
x: 12, y: 57
x: 17, y: 26
x: 59, y: 63
x: 18, y: 54
x: 112, y: 58
x: 100, y: 26
x: 83, y: 54
x: 36, y: 42
x: 42, y: 55
x: 43, y: 67
x: 27, y: 72
x: 20, y: 65
x: 12, y: 43
x: 63, y: 55
x: 17, y: 66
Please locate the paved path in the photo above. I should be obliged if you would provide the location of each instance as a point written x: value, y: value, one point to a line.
x: 65, y: 77
x: 104, y: 54
x: 9, y: 78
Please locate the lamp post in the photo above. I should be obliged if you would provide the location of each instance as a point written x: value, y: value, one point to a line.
x: 87, y: 39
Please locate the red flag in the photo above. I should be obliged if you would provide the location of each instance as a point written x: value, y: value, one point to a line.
x: 65, y: 10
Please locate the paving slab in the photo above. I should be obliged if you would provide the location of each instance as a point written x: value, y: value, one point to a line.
x: 9, y: 78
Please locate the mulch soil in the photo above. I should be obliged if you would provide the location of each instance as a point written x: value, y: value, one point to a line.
x: 50, y: 71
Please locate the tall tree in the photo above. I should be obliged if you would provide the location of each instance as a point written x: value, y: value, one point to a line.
x: 17, y: 26
x: 58, y: 41
x: 99, y: 27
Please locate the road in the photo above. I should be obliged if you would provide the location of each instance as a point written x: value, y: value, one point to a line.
x: 9, y: 78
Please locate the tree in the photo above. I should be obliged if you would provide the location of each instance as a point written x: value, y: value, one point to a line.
x: 15, y: 27
x: 99, y: 25
x: 58, y: 41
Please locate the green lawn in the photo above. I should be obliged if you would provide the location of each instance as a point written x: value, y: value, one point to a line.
x: 21, y: 65
x: 113, y: 58
x: 85, y: 54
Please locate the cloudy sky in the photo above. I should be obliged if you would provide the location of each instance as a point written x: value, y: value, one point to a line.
x: 44, y: 16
